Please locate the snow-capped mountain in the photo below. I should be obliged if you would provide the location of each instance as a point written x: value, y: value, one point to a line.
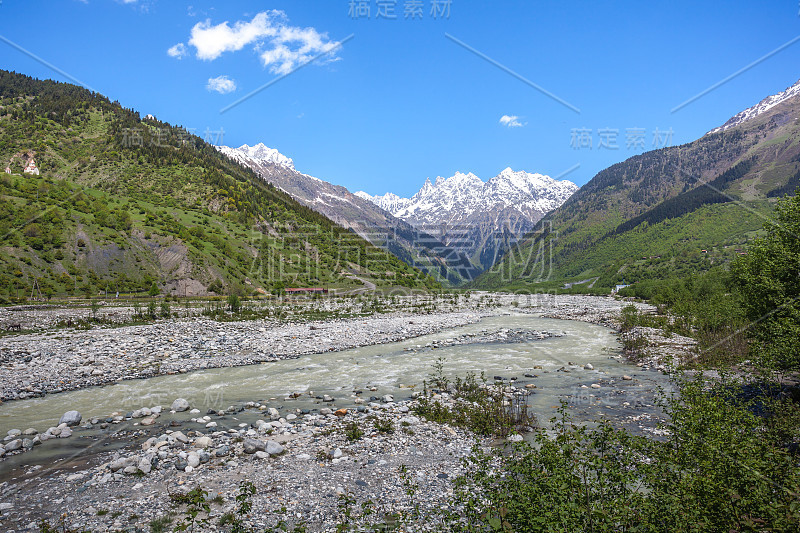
x: 351, y: 211
x: 479, y: 218
x: 762, y: 107
x: 459, y: 198
x: 259, y: 154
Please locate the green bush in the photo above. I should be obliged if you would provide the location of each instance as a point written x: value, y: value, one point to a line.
x: 718, y: 469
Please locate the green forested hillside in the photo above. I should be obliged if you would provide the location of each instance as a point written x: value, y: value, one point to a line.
x: 653, y: 215
x: 126, y: 203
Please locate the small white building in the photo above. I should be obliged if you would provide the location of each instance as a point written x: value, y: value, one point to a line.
x: 31, y: 167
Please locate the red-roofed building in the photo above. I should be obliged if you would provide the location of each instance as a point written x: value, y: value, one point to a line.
x: 307, y: 290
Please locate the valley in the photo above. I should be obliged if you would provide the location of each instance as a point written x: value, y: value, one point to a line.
x: 419, y: 266
x: 502, y: 336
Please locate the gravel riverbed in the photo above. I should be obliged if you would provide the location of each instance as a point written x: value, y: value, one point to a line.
x: 300, y: 463
x: 38, y: 364
x: 298, y: 459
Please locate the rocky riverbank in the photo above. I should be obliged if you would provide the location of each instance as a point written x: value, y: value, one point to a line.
x: 300, y: 464
x: 59, y: 360
x: 33, y: 365
x: 300, y: 459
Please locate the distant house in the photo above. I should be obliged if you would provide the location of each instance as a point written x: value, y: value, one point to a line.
x: 8, y: 170
x: 31, y: 167
x: 617, y: 288
x: 307, y: 290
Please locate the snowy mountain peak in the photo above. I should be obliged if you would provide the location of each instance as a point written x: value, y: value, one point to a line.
x: 258, y: 153
x: 388, y: 202
x: 762, y: 107
x: 464, y: 197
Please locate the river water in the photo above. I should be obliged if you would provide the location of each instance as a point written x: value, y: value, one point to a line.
x: 390, y: 368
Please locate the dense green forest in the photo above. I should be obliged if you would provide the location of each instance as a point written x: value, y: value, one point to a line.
x: 123, y: 203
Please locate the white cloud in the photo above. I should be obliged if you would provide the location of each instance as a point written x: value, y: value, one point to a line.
x: 280, y: 46
x: 221, y: 84
x: 511, y: 121
x: 178, y: 51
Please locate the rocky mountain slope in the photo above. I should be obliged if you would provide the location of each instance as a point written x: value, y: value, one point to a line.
x: 129, y: 204
x: 681, y: 208
x: 762, y: 107
x: 377, y: 225
x: 480, y: 219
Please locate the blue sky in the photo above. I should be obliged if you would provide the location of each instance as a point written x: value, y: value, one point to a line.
x: 400, y: 101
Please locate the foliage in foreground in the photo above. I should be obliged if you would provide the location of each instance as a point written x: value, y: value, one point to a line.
x: 720, y: 468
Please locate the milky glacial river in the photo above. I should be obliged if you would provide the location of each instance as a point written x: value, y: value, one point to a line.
x: 390, y: 368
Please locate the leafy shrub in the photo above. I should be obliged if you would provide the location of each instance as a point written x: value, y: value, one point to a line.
x: 716, y: 470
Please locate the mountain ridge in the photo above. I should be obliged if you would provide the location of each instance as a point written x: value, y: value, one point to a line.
x: 130, y: 204
x: 666, y: 210
x: 480, y: 219
x: 762, y: 107
x: 378, y: 226
x: 539, y: 194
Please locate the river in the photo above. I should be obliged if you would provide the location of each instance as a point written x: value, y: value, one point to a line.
x: 397, y: 369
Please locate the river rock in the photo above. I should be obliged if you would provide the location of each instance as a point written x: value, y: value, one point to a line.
x: 203, y: 442
x: 193, y: 460
x: 387, y: 398
x: 14, y: 433
x: 121, y: 463
x: 409, y: 420
x: 588, y: 366
x: 180, y: 437
x: 180, y: 405
x: 222, y: 451
x: 273, y: 413
x: 148, y: 421
x: 70, y: 418
x: 252, y: 446
x: 13, y: 445
x: 273, y: 448
x: 145, y: 466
